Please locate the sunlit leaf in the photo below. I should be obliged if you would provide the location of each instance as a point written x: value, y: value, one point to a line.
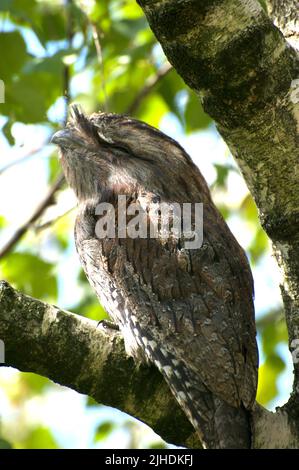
x: 152, y: 110
x: 2, y: 221
x: 4, y: 444
x: 13, y: 54
x: 103, y: 431
x: 30, y: 274
x: 39, y: 438
x: 35, y: 383
x: 268, y: 374
x: 195, y: 117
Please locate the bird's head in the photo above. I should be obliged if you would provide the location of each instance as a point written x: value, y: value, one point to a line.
x: 108, y: 151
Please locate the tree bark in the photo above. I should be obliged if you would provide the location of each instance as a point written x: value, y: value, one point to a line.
x: 72, y: 351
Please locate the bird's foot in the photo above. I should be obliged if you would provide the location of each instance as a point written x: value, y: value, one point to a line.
x: 109, y: 325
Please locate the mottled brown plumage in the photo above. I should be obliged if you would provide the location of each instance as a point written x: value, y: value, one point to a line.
x: 189, y: 311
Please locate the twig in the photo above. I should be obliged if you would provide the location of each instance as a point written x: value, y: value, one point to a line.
x: 46, y: 202
x: 41, y: 227
x: 150, y: 83
x: 66, y: 70
x: 28, y: 155
x: 98, y: 47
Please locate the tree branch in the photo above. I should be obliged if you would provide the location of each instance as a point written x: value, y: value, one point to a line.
x: 246, y: 75
x: 27, y: 156
x: 72, y: 351
x: 42, y: 206
x: 150, y: 84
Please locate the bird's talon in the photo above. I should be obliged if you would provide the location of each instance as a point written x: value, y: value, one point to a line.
x: 108, y: 325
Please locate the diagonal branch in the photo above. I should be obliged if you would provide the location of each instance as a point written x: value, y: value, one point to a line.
x: 150, y: 84
x: 72, y: 351
x: 27, y: 156
x: 43, y: 205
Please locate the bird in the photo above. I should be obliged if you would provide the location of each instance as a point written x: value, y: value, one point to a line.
x: 187, y: 309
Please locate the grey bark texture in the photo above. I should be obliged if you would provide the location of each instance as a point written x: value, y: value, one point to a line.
x: 72, y: 351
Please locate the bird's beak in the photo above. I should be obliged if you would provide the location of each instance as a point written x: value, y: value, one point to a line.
x: 62, y: 137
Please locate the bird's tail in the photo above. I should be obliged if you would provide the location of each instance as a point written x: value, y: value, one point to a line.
x: 219, y: 425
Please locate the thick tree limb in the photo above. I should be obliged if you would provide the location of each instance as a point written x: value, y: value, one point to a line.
x: 72, y: 351
x: 247, y: 76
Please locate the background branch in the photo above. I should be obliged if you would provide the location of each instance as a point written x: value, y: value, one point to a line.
x: 43, y: 205
x: 150, y: 84
x: 97, y: 42
x: 24, y: 158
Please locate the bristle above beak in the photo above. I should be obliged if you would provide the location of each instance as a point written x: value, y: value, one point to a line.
x: 76, y: 113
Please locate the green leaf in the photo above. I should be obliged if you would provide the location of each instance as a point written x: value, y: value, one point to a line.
x: 267, y: 380
x: 222, y: 174
x: 224, y: 210
x: 258, y: 245
x: 52, y: 25
x: 5, y: 5
x: 29, y: 97
x: 152, y: 110
x: 195, y: 117
x: 169, y: 88
x: 62, y: 229
x: 4, y: 444
x: 39, y: 438
x: 91, y: 402
x: 249, y: 208
x: 31, y: 275
x: 13, y: 54
x: 272, y: 334
x: 103, y: 431
x: 35, y: 383
x: 46, y: 19
x: 273, y: 331
x: 54, y: 167
x: 20, y: 10
x: 3, y: 222
x: 158, y: 445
